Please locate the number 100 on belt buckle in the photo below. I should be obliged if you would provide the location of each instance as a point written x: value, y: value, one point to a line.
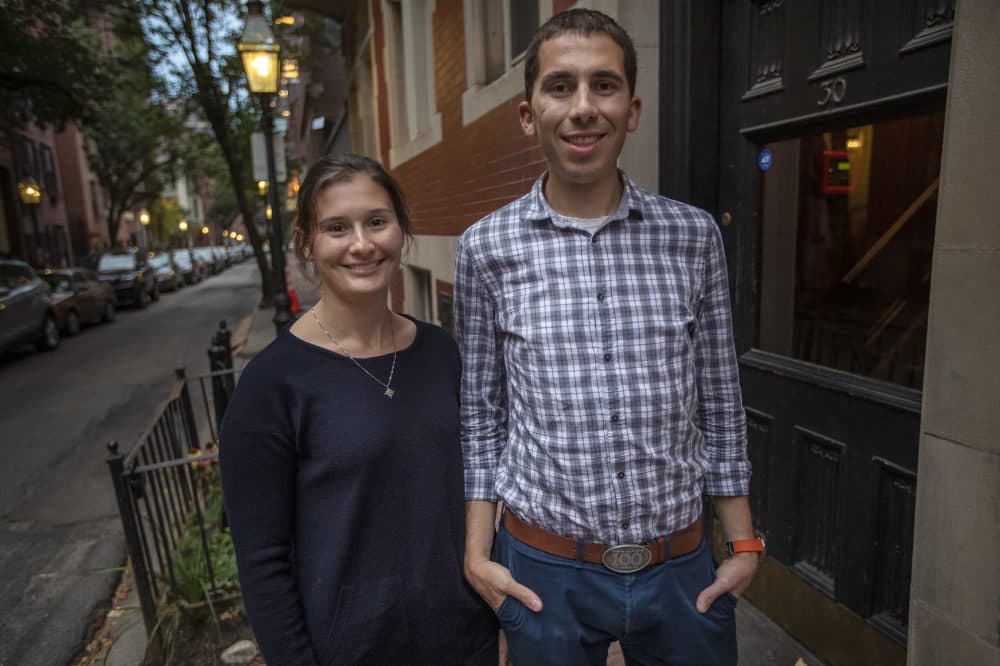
x: 627, y: 558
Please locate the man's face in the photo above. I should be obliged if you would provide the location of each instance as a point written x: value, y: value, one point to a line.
x: 580, y: 108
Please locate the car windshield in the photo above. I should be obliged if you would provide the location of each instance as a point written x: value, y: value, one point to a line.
x: 116, y: 262
x: 60, y: 283
x: 159, y: 261
x: 182, y: 259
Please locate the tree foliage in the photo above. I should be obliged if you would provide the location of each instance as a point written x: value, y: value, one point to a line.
x: 134, y: 135
x: 50, y: 62
x: 195, y: 43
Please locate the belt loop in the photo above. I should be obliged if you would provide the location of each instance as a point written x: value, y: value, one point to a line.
x: 580, y: 543
x: 665, y: 543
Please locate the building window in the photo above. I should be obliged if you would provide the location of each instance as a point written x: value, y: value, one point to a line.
x: 49, y: 180
x: 95, y: 205
x: 29, y: 160
x: 507, y: 27
x: 419, y: 296
x: 445, y: 305
x: 415, y: 124
x: 497, y: 33
x: 847, y: 237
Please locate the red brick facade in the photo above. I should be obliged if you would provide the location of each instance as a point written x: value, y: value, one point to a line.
x: 474, y: 169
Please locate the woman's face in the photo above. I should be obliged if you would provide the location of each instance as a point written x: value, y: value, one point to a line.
x: 357, y: 241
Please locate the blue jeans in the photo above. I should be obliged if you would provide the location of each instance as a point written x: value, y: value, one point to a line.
x: 586, y: 607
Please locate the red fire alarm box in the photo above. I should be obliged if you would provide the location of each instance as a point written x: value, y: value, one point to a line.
x: 836, y: 172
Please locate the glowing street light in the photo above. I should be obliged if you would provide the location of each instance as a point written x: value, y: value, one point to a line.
x: 30, y: 193
x: 182, y: 225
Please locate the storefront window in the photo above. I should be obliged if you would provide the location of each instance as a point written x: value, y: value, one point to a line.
x: 847, y: 235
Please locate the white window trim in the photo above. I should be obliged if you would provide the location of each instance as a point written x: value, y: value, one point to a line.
x: 402, y: 149
x: 479, y: 98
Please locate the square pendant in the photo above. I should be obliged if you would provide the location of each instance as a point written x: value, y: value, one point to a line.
x: 389, y: 392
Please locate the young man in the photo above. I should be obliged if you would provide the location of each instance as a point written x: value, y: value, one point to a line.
x: 600, y: 390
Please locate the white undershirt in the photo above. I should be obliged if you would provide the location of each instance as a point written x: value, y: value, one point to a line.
x: 589, y: 224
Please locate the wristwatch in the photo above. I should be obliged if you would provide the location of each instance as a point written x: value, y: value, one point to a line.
x: 755, y: 545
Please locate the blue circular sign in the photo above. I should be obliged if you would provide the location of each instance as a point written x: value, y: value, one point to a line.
x: 765, y: 159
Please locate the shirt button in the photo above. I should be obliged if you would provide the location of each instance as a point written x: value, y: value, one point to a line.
x: 625, y: 525
x: 600, y: 295
x: 621, y: 475
x: 614, y: 418
x: 607, y: 357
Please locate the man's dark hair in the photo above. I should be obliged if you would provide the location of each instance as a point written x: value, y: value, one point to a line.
x: 584, y: 22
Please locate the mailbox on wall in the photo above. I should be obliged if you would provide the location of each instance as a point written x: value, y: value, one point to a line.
x: 836, y: 172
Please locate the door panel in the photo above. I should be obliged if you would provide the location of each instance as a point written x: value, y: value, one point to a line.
x: 829, y: 245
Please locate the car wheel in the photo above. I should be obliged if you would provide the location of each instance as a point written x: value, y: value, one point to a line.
x: 72, y: 323
x: 142, y: 297
x: 155, y: 294
x: 49, y: 338
x: 109, y: 313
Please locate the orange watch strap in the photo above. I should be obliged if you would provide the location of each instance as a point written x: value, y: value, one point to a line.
x: 755, y: 545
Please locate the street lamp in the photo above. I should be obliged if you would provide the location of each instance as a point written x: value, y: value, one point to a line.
x: 182, y: 225
x: 259, y: 52
x: 144, y: 219
x: 31, y: 195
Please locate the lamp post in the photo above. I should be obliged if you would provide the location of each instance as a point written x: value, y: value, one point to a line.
x: 31, y: 195
x: 259, y: 52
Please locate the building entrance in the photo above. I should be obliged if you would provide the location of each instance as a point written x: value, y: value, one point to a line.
x: 830, y: 124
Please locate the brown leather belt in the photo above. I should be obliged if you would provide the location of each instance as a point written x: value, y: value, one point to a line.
x: 627, y: 558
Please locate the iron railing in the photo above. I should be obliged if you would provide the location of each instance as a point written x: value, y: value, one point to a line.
x: 161, y: 483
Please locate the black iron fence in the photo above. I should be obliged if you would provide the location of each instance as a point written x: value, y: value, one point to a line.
x: 169, y: 496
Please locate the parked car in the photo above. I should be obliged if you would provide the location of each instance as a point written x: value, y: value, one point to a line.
x: 78, y: 298
x: 133, y: 279
x: 191, y: 270
x: 235, y: 254
x: 206, y: 255
x: 221, y: 256
x: 167, y: 278
x: 25, y: 307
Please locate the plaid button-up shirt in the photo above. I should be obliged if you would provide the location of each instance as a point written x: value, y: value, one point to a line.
x: 600, y: 388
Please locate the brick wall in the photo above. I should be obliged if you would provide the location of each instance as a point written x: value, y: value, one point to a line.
x: 474, y: 169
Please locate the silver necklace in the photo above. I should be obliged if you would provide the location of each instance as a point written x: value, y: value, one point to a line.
x: 389, y: 391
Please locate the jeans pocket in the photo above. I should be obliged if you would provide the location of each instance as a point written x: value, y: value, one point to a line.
x: 507, y: 610
x: 510, y: 612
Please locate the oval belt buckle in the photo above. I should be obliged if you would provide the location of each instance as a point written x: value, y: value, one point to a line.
x: 627, y: 558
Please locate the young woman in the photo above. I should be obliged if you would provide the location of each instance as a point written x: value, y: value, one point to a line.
x: 340, y: 456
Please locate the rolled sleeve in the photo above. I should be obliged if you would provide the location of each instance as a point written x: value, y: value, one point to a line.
x: 721, y: 418
x: 483, y: 392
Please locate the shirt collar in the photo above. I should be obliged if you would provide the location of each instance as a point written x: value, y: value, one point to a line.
x: 629, y: 208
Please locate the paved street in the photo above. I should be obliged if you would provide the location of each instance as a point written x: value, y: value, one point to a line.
x: 60, y: 537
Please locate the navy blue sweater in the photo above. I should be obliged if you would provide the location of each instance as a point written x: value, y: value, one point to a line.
x: 346, y: 507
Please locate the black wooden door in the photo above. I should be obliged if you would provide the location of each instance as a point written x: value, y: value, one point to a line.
x: 830, y: 126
